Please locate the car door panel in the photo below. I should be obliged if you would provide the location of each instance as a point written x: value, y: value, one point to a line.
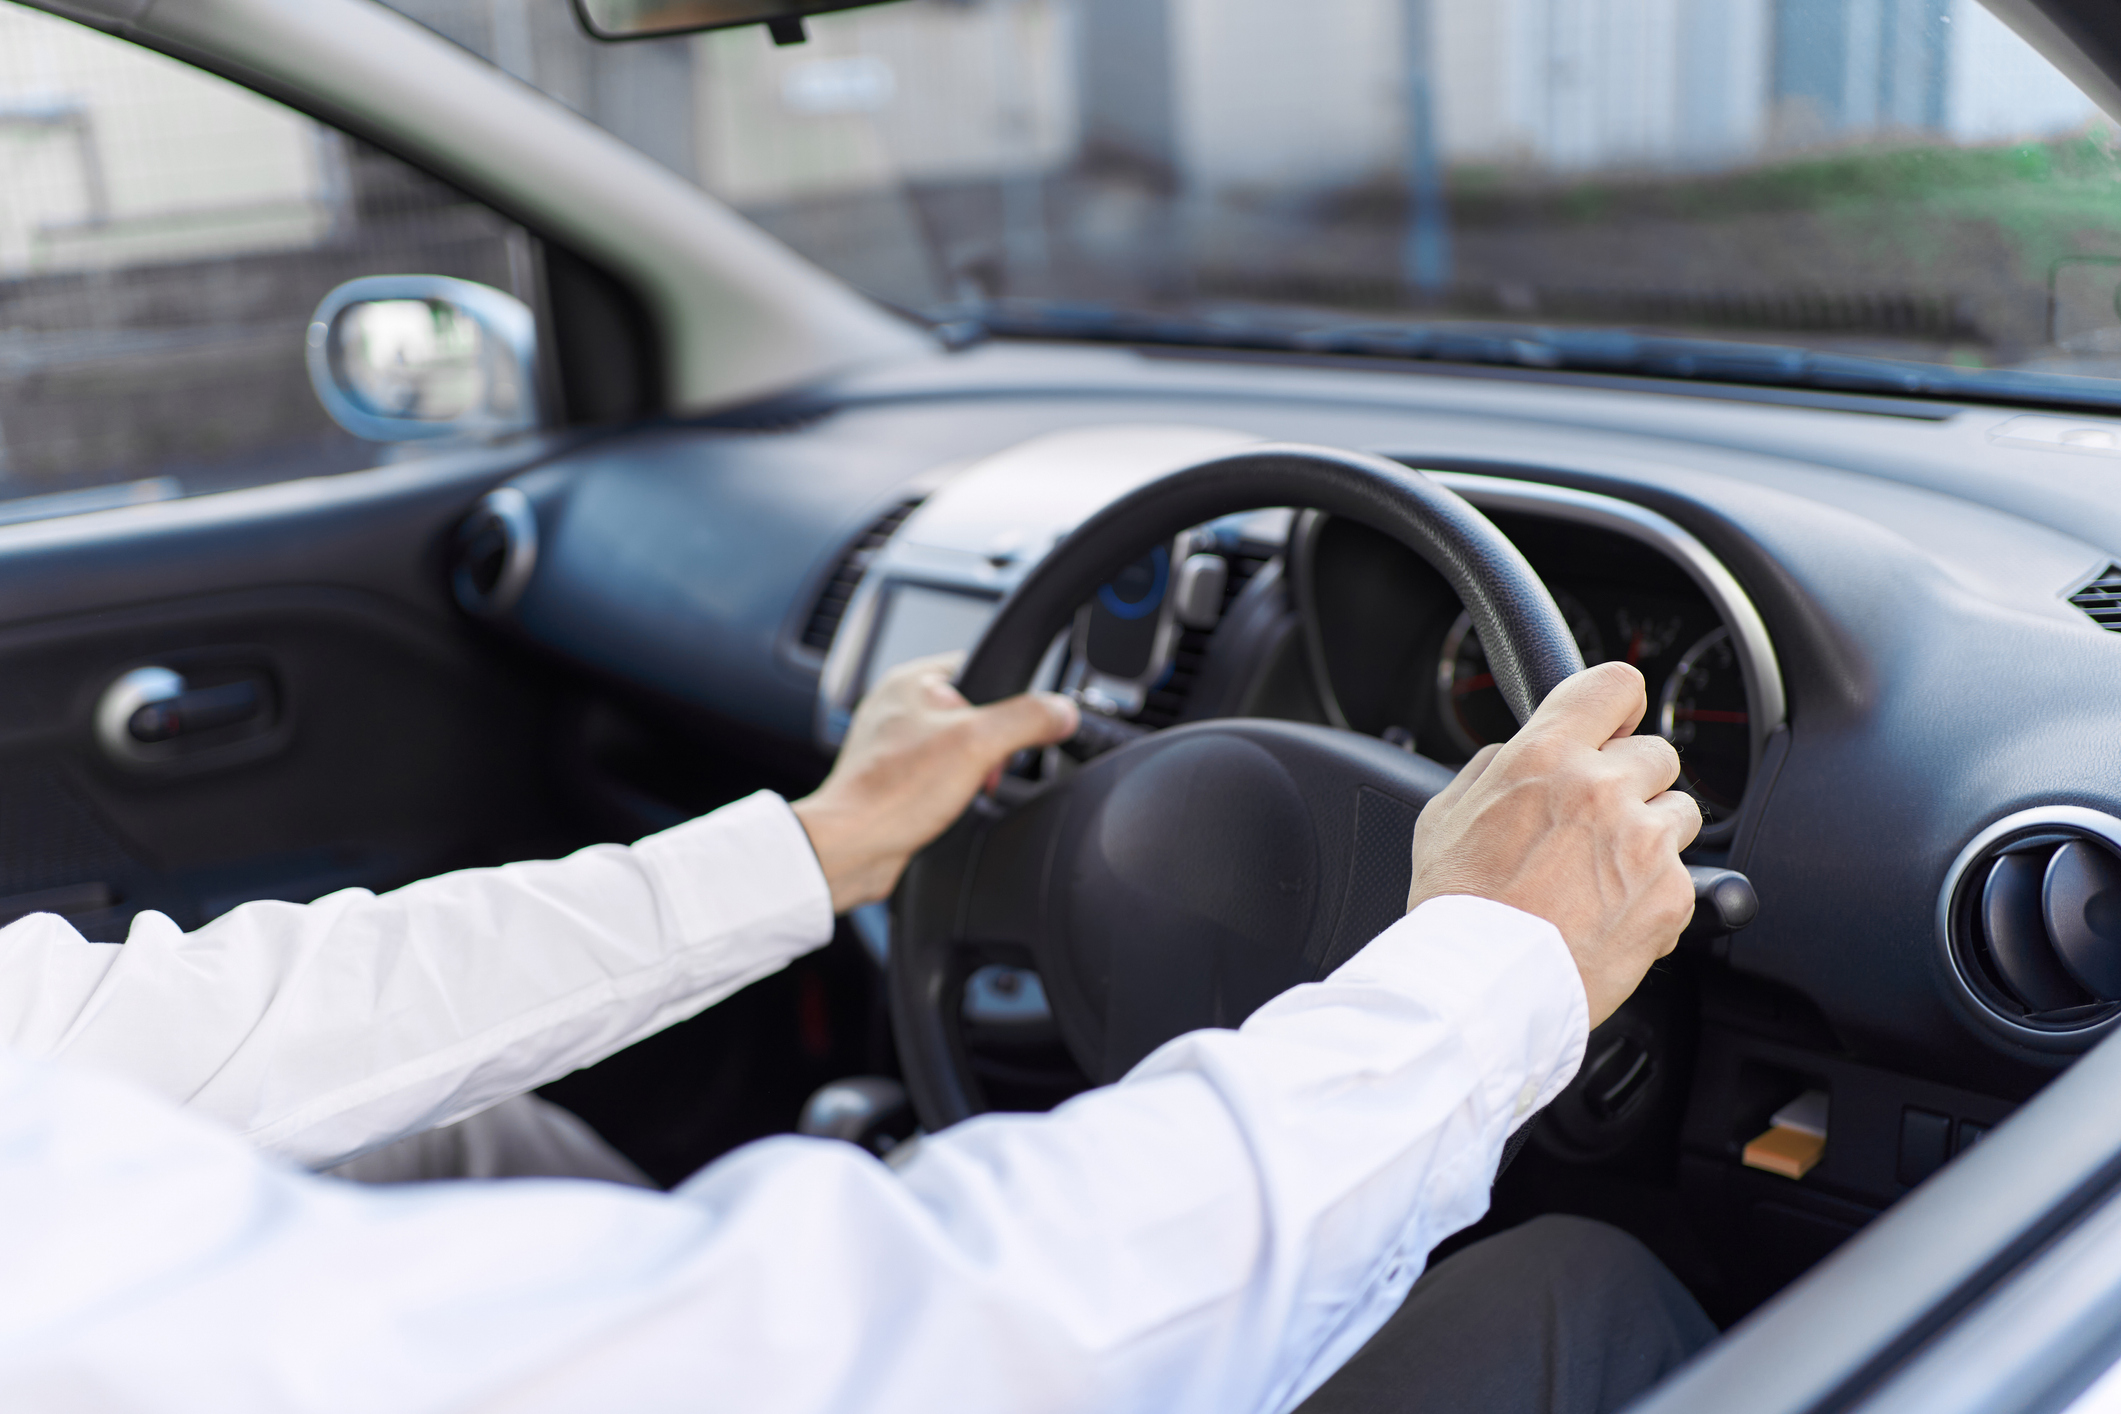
x: 394, y: 739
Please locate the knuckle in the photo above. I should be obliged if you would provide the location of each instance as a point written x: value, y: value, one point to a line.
x: 1538, y: 751
x: 1648, y: 852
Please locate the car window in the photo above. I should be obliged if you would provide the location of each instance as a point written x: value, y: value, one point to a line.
x: 164, y: 239
x: 1907, y: 180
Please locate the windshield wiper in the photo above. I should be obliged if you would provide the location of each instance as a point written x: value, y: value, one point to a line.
x: 1615, y: 351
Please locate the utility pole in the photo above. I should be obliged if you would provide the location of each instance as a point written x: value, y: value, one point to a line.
x: 1425, y: 257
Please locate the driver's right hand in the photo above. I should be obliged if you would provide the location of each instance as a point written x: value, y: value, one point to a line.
x: 1574, y: 821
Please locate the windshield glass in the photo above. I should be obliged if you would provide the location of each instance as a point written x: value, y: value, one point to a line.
x: 1537, y: 181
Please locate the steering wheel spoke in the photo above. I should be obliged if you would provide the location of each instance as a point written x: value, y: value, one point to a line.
x: 975, y: 899
x: 1005, y: 890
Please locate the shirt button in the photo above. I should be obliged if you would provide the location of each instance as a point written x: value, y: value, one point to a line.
x: 1525, y: 1098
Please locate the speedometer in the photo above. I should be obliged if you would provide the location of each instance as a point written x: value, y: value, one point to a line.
x: 1471, y: 706
x: 1703, y: 712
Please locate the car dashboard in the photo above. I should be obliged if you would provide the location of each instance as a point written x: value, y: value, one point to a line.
x: 1868, y: 625
x: 1388, y: 650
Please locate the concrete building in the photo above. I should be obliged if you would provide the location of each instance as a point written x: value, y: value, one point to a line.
x: 1586, y: 85
x: 117, y: 155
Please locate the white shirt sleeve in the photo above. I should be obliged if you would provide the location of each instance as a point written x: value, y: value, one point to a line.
x: 320, y: 1031
x: 1217, y: 1232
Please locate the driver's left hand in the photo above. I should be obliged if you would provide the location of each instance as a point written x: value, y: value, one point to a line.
x: 915, y: 755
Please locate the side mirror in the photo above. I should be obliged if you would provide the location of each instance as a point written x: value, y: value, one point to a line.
x: 397, y: 358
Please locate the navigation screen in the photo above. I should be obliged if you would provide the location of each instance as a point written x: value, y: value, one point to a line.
x: 918, y: 621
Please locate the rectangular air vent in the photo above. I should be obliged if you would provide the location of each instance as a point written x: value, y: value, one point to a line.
x: 2101, y: 599
x: 831, y: 606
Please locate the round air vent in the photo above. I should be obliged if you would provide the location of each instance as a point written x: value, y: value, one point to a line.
x: 2030, y: 919
x: 494, y: 552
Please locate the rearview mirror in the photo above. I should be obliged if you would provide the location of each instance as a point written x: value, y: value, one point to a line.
x: 643, y: 19
x: 395, y: 358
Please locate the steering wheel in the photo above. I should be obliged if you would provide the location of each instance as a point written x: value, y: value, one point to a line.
x: 1188, y: 877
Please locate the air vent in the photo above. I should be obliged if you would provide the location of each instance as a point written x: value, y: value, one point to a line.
x: 2101, y: 599
x: 1167, y: 703
x: 2032, y: 919
x: 494, y: 553
x: 831, y: 606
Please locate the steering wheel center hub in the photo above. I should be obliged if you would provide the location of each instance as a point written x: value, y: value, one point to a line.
x: 1191, y: 863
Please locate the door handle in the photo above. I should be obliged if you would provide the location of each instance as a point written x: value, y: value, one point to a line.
x: 147, y: 714
x: 195, y: 710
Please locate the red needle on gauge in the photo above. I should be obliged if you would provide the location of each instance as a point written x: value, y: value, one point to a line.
x: 1707, y: 714
x: 1472, y: 684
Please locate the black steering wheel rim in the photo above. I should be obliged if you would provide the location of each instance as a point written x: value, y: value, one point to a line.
x: 1529, y: 646
x: 941, y: 926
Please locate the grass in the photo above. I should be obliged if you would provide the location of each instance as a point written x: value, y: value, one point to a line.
x: 2077, y: 175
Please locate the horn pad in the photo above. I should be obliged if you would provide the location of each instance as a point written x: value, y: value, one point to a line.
x: 1187, y: 876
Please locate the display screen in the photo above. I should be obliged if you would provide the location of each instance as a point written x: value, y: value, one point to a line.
x: 918, y: 621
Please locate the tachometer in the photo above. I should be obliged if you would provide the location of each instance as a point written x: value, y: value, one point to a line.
x: 1703, y: 712
x: 1471, y: 706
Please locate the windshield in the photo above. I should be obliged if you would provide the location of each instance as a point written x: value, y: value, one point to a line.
x: 1555, y: 182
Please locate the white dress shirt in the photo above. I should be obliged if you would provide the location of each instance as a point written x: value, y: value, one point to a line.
x: 1217, y: 1232
x: 321, y: 1031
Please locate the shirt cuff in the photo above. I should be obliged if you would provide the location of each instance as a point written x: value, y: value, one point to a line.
x: 1504, y: 977
x: 745, y: 876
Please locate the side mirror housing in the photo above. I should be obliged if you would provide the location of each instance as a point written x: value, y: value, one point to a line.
x: 397, y: 358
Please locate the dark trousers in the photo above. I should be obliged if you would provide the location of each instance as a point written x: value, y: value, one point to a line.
x: 1559, y: 1316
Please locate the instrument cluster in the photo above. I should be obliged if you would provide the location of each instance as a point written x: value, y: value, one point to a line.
x: 1697, y: 690
x: 1394, y: 653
